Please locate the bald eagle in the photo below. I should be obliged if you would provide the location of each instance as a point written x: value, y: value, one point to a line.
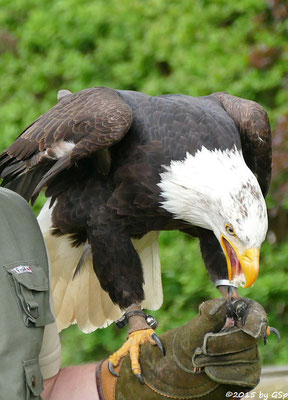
x: 120, y: 166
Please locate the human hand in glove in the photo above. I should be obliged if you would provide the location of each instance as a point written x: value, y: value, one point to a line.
x: 205, y: 358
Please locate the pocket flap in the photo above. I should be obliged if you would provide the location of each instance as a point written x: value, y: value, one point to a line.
x: 33, y: 376
x: 29, y: 274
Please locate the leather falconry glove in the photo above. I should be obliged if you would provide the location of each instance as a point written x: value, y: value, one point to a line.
x: 202, y: 360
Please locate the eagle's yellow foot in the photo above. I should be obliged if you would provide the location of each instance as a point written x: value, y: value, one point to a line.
x: 132, y: 346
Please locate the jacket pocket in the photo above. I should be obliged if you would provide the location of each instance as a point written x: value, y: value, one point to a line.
x: 32, y: 290
x: 33, y: 379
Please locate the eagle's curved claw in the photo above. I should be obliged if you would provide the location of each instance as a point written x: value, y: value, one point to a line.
x: 111, y: 370
x: 277, y: 333
x: 140, y: 378
x: 268, y: 332
x: 159, y: 343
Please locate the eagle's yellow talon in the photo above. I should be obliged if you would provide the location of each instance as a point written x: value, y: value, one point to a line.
x: 132, y: 346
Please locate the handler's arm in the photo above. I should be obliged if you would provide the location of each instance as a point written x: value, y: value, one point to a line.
x: 69, y: 383
x: 72, y: 383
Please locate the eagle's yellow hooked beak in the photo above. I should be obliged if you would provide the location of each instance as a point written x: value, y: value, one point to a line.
x: 241, y: 267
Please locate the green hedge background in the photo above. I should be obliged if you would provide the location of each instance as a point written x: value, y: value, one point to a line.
x: 156, y: 46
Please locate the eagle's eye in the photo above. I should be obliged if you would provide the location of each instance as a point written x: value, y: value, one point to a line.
x: 229, y: 229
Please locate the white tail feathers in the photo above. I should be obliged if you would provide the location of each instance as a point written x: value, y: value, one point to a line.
x: 82, y: 300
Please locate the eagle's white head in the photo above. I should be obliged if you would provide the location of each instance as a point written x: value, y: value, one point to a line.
x: 217, y: 191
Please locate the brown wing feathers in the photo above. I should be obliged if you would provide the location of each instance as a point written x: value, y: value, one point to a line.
x: 90, y: 121
x: 79, y: 125
x: 254, y: 128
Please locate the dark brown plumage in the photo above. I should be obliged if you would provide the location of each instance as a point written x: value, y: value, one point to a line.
x: 254, y: 128
x: 93, y: 120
